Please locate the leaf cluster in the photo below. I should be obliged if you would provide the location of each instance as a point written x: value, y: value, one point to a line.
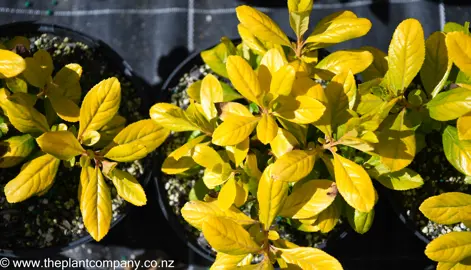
x: 46, y: 122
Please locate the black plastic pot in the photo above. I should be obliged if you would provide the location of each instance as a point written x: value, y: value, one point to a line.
x: 191, y: 61
x: 121, y: 67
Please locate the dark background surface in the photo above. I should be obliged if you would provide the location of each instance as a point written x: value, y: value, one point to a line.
x: 156, y: 35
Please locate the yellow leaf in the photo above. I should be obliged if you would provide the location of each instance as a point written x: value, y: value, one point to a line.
x: 251, y: 167
x: 283, y: 143
x: 67, y: 82
x: 215, y: 58
x: 110, y: 130
x: 217, y: 175
x: 405, y: 55
x: 194, y: 91
x: 299, y: 11
x: 303, y: 85
x: 211, y: 92
x: 273, y: 60
x: 96, y: 206
x: 206, y: 156
x: 44, y: 59
x: 309, y: 259
x: 244, y: 79
x: 261, y: 25
x: 267, y: 129
x: 172, y: 117
x: 128, y: 187
x: 223, y: 261
x: 327, y: 219
x: 459, y: 50
x: 437, y: 65
x: 61, y: 144
x: 464, y: 264
x: 309, y: 199
x: 144, y: 132
x: 86, y: 174
x: 397, y: 144
x: 349, y: 86
x: 195, y: 114
x: 250, y: 40
x: 450, y: 105
x: 238, y: 152
x: 456, y: 151
x: 354, y: 184
x: 451, y: 247
x: 342, y: 61
x: 283, y: 80
x: 234, y: 109
x: 300, y: 110
x: 35, y: 177
x: 65, y: 108
x: 100, y: 105
x: 294, y: 165
x: 356, y: 143
x: 464, y: 128
x: 228, y: 194
x: 180, y: 160
x: 15, y: 149
x: 225, y: 235
x: 447, y: 208
x: 90, y: 137
x: 271, y: 196
x: 340, y: 30
x: 21, y: 114
x: 11, y: 64
x: 127, y: 152
x: 195, y: 212
x: 378, y: 68
x: 234, y: 130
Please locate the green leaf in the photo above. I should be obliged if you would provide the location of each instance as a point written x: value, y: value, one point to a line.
x: 96, y: 206
x: 457, y: 152
x: 354, y: 184
x: 128, y: 187
x: 453, y: 27
x: 195, y: 212
x: 17, y: 85
x: 271, y: 196
x: 309, y: 199
x: 447, y: 208
x: 360, y: 222
x: 309, y: 258
x: 397, y: 145
x: 144, y: 132
x: 378, y: 68
x: 437, y: 66
x: 15, y: 149
x: 11, y: 64
x: 171, y: 117
x: 216, y: 59
x: 234, y: 130
x: 100, y: 105
x: 450, y: 105
x: 451, y: 247
x: 61, y: 144
x: 261, y: 26
x: 406, y: 55
x: 35, y: 177
x: 403, y: 179
x: 294, y: 165
x: 21, y: 114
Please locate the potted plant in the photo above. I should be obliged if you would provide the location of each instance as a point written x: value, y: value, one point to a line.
x: 244, y: 165
x: 423, y: 149
x: 59, y: 113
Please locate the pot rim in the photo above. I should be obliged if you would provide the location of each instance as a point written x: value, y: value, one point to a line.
x: 33, y: 27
